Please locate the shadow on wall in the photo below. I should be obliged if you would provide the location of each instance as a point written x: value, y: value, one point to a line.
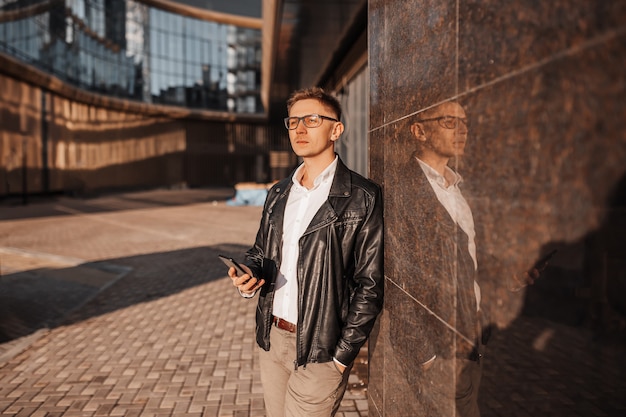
x: 563, y: 355
x: 162, y: 171
x: 594, y: 295
x: 172, y: 169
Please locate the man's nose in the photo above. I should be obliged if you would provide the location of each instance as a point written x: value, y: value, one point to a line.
x: 300, y: 127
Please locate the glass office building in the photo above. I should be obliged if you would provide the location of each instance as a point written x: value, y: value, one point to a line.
x: 135, y: 50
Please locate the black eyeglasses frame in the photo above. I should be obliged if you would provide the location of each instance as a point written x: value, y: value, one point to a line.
x: 303, y: 120
x: 440, y: 118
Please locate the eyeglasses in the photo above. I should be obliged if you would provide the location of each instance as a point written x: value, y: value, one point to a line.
x: 310, y: 120
x: 447, y: 122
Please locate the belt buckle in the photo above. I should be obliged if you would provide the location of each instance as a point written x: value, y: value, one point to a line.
x: 283, y: 324
x: 277, y: 321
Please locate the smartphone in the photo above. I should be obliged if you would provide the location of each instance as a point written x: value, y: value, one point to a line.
x: 230, y: 262
x: 542, y: 263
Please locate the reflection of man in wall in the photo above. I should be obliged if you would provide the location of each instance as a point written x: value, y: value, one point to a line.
x: 436, y: 252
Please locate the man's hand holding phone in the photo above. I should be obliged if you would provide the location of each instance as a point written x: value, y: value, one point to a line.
x: 242, y: 277
x: 532, y: 275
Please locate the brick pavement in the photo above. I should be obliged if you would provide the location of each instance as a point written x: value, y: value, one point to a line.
x: 162, y: 333
x: 156, y: 330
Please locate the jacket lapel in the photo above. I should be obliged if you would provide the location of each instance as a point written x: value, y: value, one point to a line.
x: 338, y: 196
x: 433, y: 210
x: 277, y: 210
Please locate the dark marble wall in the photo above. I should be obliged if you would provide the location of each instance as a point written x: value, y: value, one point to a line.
x: 543, y: 85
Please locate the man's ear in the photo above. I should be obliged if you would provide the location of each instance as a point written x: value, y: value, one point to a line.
x: 337, y: 131
x: 417, y: 130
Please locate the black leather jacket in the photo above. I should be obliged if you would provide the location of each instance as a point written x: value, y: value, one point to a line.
x: 340, y: 268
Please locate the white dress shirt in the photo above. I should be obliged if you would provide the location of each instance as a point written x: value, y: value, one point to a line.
x: 302, y: 204
x: 449, y: 195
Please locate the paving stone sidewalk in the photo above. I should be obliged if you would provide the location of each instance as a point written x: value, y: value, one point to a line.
x: 118, y: 306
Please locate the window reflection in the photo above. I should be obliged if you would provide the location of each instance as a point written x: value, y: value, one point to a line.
x: 127, y: 49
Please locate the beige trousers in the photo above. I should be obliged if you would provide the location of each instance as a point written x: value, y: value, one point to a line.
x: 312, y: 391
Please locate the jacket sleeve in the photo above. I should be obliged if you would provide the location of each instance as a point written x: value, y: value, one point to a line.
x: 367, y: 300
x: 256, y: 254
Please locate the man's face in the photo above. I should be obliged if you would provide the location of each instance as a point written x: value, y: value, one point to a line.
x: 445, y: 142
x: 309, y: 142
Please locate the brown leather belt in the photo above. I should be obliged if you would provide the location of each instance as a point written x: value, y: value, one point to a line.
x: 284, y: 325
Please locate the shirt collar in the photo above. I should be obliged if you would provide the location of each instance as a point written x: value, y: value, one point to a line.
x: 327, y: 174
x: 450, y: 177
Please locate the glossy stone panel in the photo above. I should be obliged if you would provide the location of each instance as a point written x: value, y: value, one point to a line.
x: 377, y: 155
x: 414, y: 50
x: 410, y: 389
x: 544, y: 158
x: 376, y: 45
x: 378, y: 341
x: 543, y: 169
x: 497, y: 38
x: 376, y: 377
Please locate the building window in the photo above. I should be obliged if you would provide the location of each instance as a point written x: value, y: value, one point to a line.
x: 127, y: 49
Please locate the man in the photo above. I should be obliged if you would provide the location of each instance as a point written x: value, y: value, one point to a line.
x: 437, y: 253
x: 317, y: 265
x: 441, y: 135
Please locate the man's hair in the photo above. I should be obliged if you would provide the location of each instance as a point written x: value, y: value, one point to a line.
x: 318, y: 94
